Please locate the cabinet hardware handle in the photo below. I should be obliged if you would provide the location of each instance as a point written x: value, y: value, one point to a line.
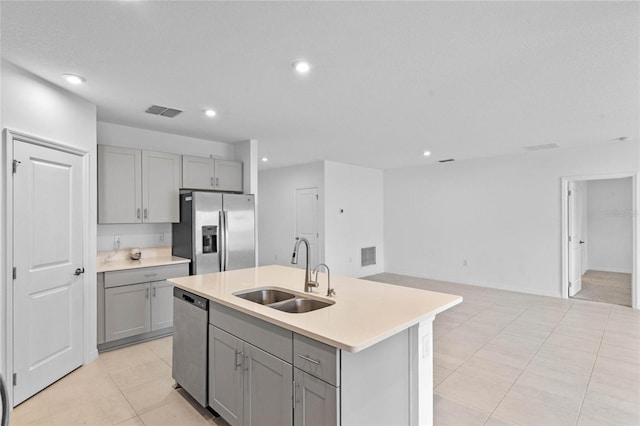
x: 211, y: 180
x: 146, y: 292
x: 306, y: 358
x: 138, y: 214
x: 236, y: 360
x: 155, y: 291
x: 145, y: 213
x: 151, y: 275
x: 296, y: 391
x: 245, y: 366
x: 217, y: 182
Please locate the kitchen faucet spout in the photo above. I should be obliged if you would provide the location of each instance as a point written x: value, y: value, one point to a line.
x: 308, y: 283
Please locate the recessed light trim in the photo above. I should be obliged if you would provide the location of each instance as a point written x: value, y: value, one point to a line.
x: 74, y: 78
x: 426, y: 153
x: 264, y: 159
x: 301, y: 67
x: 210, y: 112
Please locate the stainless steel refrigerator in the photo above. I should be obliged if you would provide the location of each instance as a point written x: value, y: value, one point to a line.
x: 216, y: 231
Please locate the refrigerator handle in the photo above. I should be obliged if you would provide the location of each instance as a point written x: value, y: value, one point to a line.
x: 222, y: 247
x: 226, y: 241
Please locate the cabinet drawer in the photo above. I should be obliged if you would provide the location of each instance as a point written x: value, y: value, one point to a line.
x: 142, y: 275
x: 317, y: 359
x: 268, y: 337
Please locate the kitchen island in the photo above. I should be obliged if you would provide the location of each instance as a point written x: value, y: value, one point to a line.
x: 364, y: 359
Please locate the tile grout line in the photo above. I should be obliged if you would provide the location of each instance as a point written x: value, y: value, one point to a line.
x: 584, y: 395
x: 529, y: 363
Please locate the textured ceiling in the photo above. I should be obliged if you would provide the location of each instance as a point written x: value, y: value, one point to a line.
x: 389, y: 79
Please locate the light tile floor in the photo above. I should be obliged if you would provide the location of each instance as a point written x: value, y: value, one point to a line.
x: 500, y: 358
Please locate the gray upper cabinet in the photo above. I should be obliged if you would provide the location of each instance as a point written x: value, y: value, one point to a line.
x: 211, y: 174
x: 136, y: 186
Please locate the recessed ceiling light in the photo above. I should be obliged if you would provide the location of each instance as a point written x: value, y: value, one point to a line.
x: 265, y: 159
x: 209, y: 113
x: 302, y: 67
x: 426, y: 153
x: 74, y: 79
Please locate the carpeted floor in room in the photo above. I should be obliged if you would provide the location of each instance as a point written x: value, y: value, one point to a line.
x: 606, y: 287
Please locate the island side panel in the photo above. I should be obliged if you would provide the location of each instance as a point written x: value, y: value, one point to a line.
x: 375, y: 386
x: 421, y: 373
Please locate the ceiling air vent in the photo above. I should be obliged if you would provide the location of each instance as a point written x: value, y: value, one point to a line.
x: 368, y: 256
x: 163, y: 111
x: 448, y: 160
x: 541, y: 147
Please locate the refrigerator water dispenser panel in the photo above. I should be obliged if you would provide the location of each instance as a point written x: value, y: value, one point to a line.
x: 209, y: 239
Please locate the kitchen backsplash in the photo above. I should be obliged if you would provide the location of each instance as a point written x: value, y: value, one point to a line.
x: 133, y: 235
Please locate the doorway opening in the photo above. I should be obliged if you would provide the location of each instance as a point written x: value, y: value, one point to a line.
x: 600, y: 239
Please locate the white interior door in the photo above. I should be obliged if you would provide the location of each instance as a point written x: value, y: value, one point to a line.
x: 47, y: 294
x: 307, y: 223
x: 575, y: 230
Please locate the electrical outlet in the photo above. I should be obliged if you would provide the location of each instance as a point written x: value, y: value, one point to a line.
x: 116, y: 242
x: 161, y: 237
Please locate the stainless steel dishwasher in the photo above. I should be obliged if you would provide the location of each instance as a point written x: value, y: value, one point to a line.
x: 190, y: 321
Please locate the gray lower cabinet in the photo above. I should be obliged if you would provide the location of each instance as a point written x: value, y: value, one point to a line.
x: 136, y: 302
x: 247, y: 386
x: 315, y: 401
x: 127, y: 311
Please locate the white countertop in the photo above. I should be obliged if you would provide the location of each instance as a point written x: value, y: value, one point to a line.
x: 364, y: 313
x: 119, y: 260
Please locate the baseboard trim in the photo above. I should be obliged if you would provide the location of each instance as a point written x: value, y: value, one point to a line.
x: 495, y: 286
x: 616, y: 270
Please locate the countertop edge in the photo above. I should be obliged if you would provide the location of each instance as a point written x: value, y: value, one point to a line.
x: 125, y: 265
x: 366, y: 344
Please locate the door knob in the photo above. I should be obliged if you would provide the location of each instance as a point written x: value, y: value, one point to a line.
x: 79, y: 271
x: 581, y: 242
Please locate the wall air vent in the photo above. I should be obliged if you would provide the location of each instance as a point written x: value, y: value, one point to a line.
x: 541, y: 147
x: 448, y: 160
x: 163, y: 111
x: 368, y: 256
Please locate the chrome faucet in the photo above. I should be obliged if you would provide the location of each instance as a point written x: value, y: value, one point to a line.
x: 308, y: 284
x: 330, y: 291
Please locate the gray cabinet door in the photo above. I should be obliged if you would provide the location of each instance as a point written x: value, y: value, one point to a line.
x: 127, y: 311
x: 161, y: 305
x: 119, y: 185
x: 268, y: 393
x: 226, y: 393
x: 228, y: 175
x: 315, y: 401
x: 197, y: 172
x: 160, y: 187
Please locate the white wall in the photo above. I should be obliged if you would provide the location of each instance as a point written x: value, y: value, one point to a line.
x: 358, y: 193
x: 502, y: 215
x: 276, y: 210
x: 151, y: 235
x: 36, y: 107
x: 609, y: 210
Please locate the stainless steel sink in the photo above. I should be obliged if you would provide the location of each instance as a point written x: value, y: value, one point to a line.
x: 265, y: 296
x: 300, y: 305
x: 283, y: 300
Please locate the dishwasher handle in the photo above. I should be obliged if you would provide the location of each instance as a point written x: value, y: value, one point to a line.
x: 190, y: 298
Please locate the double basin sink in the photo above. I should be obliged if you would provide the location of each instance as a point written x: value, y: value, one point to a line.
x: 283, y: 300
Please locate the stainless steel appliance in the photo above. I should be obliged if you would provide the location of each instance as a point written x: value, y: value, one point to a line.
x: 190, y: 322
x: 216, y: 231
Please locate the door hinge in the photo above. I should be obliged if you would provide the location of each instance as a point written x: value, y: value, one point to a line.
x: 316, y: 196
x: 15, y: 379
x: 16, y: 163
x: 569, y: 238
x: 570, y: 284
x: 570, y: 193
x: 15, y: 272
